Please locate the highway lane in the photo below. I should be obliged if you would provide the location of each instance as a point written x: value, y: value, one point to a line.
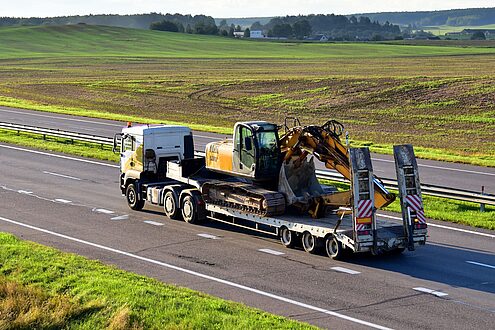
x: 75, y: 199
x: 459, y: 176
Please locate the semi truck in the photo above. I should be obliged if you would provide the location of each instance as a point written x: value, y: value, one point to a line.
x: 264, y: 179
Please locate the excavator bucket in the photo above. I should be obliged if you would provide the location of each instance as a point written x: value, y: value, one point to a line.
x: 411, y: 202
x: 298, y: 182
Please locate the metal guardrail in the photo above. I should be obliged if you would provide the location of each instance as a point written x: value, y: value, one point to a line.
x: 426, y: 189
x: 432, y: 190
x: 58, y: 133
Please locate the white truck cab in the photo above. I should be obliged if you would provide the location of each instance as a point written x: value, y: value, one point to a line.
x: 145, y: 150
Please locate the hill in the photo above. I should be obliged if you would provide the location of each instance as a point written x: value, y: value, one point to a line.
x: 137, y: 21
x: 89, y: 40
x: 453, y: 17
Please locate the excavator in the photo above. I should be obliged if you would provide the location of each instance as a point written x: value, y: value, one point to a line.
x: 273, y: 171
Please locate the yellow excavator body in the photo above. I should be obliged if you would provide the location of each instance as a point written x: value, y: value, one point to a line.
x: 219, y: 156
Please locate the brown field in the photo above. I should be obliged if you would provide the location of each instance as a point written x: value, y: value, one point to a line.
x: 445, y: 103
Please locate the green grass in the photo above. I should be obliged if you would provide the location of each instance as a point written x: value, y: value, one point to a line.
x: 87, y: 40
x: 44, y: 288
x: 436, y: 207
x: 442, y: 29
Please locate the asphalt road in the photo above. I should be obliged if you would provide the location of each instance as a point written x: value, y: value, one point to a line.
x: 459, y: 176
x: 75, y: 205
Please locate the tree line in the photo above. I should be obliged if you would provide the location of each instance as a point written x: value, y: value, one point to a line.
x: 453, y: 17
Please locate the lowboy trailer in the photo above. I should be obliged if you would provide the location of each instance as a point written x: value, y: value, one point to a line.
x: 158, y: 167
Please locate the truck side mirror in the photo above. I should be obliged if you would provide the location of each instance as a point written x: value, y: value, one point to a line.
x: 115, y: 143
x: 247, y: 143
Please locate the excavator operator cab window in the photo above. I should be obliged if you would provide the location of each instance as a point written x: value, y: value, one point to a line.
x: 246, y: 146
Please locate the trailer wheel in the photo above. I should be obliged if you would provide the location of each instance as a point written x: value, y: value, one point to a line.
x: 189, y: 209
x: 131, y: 196
x: 309, y: 242
x: 170, y: 205
x: 287, y: 237
x: 334, y: 248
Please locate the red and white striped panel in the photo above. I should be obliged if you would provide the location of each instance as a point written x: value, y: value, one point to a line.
x: 361, y: 226
x: 421, y: 216
x: 365, y: 208
x: 414, y: 202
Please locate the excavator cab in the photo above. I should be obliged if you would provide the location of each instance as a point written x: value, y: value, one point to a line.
x: 253, y: 153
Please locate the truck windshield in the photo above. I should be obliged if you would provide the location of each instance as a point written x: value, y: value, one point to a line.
x: 267, y: 140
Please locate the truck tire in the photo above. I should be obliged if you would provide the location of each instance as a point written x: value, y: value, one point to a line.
x: 189, y: 209
x: 287, y: 237
x: 170, y: 206
x: 131, y: 196
x: 309, y: 242
x: 334, y: 248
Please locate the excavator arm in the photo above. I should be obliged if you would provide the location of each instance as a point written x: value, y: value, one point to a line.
x: 323, y: 142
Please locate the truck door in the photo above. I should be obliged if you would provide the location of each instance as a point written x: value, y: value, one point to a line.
x: 244, y: 151
x: 131, y: 151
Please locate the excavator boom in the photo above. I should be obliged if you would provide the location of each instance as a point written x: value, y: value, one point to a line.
x: 323, y: 142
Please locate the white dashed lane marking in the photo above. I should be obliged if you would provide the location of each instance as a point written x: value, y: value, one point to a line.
x: 346, y: 270
x: 209, y: 236
x: 63, y: 201
x: 154, y: 223
x: 270, y: 251
x: 120, y: 217
x: 104, y: 211
x: 432, y: 292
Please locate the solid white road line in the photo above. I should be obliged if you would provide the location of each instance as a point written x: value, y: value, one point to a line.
x: 154, y: 223
x: 64, y: 201
x: 117, y: 166
x: 59, y: 156
x: 193, y: 273
x: 430, y: 291
x: 346, y: 270
x: 480, y: 264
x: 62, y: 176
x: 442, y: 226
x: 209, y: 236
x: 270, y: 251
x: 63, y: 118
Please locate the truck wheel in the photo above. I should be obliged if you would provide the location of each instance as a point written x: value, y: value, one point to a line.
x: 309, y: 242
x: 132, y: 197
x: 334, y: 248
x: 170, y: 206
x: 189, y: 209
x: 287, y: 237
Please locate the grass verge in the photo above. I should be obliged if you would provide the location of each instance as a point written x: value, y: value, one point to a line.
x: 41, y: 287
x: 436, y: 207
x: 444, y: 209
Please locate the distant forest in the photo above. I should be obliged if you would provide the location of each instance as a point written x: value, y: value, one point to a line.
x: 336, y: 27
x: 139, y: 21
x: 454, y: 17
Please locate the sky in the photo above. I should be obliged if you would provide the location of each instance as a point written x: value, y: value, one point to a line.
x: 225, y: 8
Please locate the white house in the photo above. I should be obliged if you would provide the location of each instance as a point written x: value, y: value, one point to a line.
x: 256, y: 34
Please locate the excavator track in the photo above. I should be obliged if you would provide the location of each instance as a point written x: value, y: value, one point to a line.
x: 245, y: 197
